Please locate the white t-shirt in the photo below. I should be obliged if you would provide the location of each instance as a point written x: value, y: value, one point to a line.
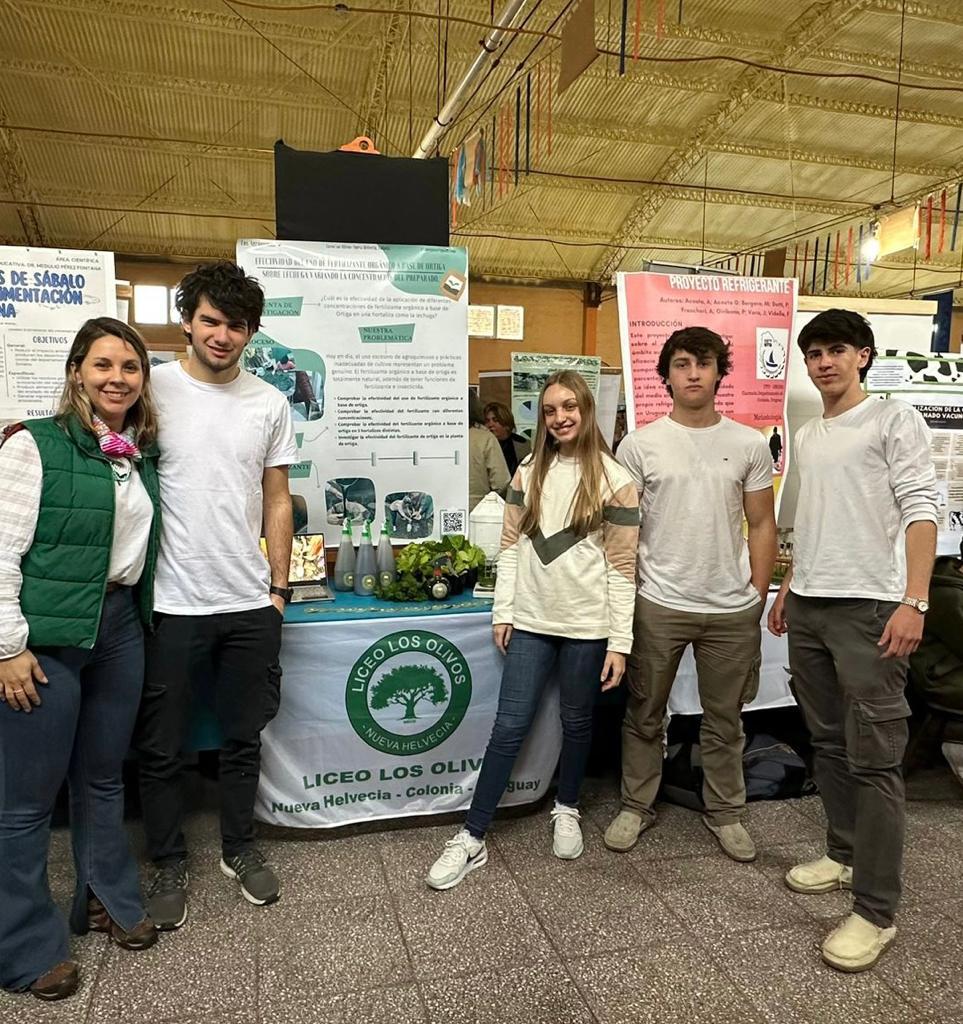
x: 692, y: 553
x: 216, y: 440
x: 864, y: 476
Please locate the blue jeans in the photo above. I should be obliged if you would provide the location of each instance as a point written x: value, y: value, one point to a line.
x: 80, y: 732
x: 530, y: 661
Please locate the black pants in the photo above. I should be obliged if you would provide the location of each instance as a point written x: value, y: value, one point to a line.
x: 238, y: 652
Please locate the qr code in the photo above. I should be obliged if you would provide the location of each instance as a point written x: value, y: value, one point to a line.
x: 453, y: 521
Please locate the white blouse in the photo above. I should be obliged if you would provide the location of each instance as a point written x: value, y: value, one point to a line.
x: 21, y: 481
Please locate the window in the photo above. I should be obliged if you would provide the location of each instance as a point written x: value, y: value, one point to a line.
x: 151, y: 304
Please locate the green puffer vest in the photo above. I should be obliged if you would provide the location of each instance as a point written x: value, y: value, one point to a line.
x: 65, y: 570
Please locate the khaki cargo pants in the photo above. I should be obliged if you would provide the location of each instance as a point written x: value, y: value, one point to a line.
x: 727, y: 656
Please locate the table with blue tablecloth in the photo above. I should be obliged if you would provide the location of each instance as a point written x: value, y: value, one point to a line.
x: 386, y: 709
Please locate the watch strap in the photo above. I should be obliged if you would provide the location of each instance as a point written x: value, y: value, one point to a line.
x: 286, y: 592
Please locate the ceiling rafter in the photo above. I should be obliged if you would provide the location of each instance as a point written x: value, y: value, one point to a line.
x: 808, y: 31
x: 13, y: 170
x: 374, y: 110
x: 888, y: 62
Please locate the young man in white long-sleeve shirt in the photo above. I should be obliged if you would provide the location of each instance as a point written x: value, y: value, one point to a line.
x: 854, y: 602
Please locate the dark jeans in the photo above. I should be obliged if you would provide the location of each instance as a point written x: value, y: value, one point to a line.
x: 853, y: 702
x: 80, y: 732
x: 238, y: 653
x: 530, y: 661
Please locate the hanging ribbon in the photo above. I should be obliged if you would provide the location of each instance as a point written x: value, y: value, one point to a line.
x: 528, y: 123
x: 835, y: 265
x: 928, y: 244
x: 942, y: 236
x: 956, y: 215
x: 859, y: 257
x: 518, y: 129
x: 795, y: 258
x: 826, y: 262
x: 660, y: 20
x: 625, y: 22
x: 849, y: 252
x: 802, y: 283
x: 550, y: 91
x: 638, y: 29
x: 491, y: 172
x: 538, y: 112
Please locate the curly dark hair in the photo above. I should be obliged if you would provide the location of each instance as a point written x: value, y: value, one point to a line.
x: 842, y: 326
x: 699, y: 342
x: 227, y: 288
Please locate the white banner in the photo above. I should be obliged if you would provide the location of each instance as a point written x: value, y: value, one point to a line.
x: 45, y: 295
x: 370, y: 345
x: 381, y: 719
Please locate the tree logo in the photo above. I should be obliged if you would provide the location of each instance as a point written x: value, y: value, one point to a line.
x: 408, y: 692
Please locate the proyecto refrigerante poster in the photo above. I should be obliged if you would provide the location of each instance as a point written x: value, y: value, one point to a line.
x: 369, y: 343
x: 753, y: 314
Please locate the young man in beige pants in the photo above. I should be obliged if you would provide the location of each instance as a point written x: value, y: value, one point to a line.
x: 863, y: 546
x: 700, y: 583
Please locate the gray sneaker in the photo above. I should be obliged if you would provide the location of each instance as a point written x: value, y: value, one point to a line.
x: 259, y: 884
x: 167, y: 896
x: 734, y: 840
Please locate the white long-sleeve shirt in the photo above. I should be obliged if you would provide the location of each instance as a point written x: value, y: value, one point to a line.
x: 21, y: 483
x: 560, y: 585
x: 864, y: 476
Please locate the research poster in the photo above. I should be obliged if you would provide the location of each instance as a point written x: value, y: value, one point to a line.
x: 753, y: 314
x: 369, y: 344
x: 45, y: 295
x: 530, y: 370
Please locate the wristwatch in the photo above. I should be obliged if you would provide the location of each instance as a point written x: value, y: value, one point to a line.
x: 286, y: 592
x: 919, y: 603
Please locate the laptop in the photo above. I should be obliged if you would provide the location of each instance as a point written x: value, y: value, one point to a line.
x: 308, y: 575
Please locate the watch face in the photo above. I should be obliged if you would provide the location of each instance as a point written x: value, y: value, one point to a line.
x: 922, y: 607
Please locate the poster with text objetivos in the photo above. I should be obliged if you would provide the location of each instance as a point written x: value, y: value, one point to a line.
x: 45, y: 296
x: 369, y: 344
x: 753, y: 314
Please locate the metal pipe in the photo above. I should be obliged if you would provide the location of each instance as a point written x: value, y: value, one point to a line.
x: 489, y: 46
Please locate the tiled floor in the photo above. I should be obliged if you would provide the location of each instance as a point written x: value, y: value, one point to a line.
x: 672, y: 932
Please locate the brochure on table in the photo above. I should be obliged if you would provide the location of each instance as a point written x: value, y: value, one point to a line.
x: 369, y: 344
x: 45, y: 295
x: 753, y: 314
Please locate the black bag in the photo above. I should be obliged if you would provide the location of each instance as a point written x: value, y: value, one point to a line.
x: 773, y: 771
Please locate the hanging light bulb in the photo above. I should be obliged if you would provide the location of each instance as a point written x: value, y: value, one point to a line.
x: 870, y: 249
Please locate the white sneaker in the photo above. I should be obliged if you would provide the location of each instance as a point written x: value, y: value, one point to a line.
x: 567, y: 842
x: 462, y: 854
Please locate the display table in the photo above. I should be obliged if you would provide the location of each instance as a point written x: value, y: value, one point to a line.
x: 386, y: 710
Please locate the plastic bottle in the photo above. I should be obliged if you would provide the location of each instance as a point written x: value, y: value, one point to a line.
x: 387, y: 573
x: 345, y: 563
x: 366, y: 567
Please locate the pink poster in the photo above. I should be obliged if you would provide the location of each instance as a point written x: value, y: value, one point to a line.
x: 753, y: 314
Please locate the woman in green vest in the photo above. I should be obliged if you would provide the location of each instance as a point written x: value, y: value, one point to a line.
x: 79, y: 522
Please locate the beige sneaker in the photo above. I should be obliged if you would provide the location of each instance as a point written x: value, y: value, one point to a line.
x: 823, y: 875
x: 734, y: 840
x: 624, y: 831
x: 856, y: 944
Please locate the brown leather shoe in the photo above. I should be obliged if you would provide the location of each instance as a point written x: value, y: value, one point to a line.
x: 58, y: 983
x: 142, y: 936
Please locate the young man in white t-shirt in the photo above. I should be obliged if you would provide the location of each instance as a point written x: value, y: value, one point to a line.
x: 699, y: 583
x: 864, y: 540
x: 226, y: 441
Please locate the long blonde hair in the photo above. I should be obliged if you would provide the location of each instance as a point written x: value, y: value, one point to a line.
x: 73, y: 399
x: 590, y: 448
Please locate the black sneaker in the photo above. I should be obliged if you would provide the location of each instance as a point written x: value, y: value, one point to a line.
x: 259, y: 884
x: 167, y: 896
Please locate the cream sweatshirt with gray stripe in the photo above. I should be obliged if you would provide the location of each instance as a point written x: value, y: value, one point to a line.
x: 562, y: 585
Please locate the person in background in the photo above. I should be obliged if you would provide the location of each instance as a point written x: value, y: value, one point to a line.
x: 775, y: 447
x: 501, y: 422
x: 487, y: 470
x: 79, y: 527
x: 227, y: 441
x: 563, y: 607
x: 700, y: 583
x: 936, y: 667
x: 854, y: 601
